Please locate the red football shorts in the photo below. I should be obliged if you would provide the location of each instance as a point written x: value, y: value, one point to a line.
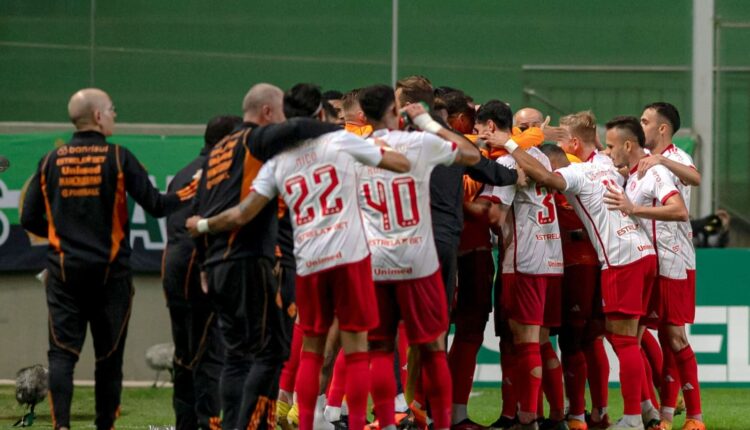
x: 673, y: 300
x: 626, y: 290
x: 420, y: 303
x: 579, y: 287
x: 524, y: 296
x: 345, y: 291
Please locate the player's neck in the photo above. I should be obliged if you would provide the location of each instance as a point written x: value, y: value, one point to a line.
x: 635, y: 157
x: 661, y: 146
x: 376, y: 125
x: 586, y: 152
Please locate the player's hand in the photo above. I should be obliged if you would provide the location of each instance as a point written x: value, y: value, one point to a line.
x: 413, y: 110
x: 522, y: 178
x: 192, y: 225
x: 495, y: 139
x: 649, y: 162
x: 204, y: 282
x: 617, y: 200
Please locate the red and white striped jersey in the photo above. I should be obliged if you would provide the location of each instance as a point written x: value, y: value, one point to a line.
x: 653, y: 190
x: 531, y: 236
x: 319, y: 185
x: 396, y: 207
x: 619, y: 239
x: 676, y: 154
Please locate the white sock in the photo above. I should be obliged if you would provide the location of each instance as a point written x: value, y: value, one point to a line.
x: 400, y: 403
x: 632, y: 420
x: 344, y: 408
x: 581, y: 417
x: 320, y: 403
x: 458, y: 413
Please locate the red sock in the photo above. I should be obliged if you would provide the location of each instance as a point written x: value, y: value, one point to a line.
x: 437, y: 385
x: 510, y: 398
x: 462, y: 360
x: 654, y: 355
x: 574, y: 367
x: 289, y: 372
x: 691, y: 391
x: 631, y: 370
x: 647, y: 387
x: 338, y: 381
x: 669, y: 387
x: 383, y: 386
x: 403, y: 356
x: 552, y: 379
x: 597, y: 365
x: 529, y: 358
x: 307, y: 387
x: 358, y: 387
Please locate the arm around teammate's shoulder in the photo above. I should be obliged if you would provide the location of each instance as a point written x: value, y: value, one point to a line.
x: 536, y: 170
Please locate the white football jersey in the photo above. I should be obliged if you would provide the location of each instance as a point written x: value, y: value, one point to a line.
x: 618, y: 238
x: 653, y: 190
x: 319, y: 185
x: 531, y: 236
x: 396, y: 207
x: 599, y: 157
x: 676, y: 154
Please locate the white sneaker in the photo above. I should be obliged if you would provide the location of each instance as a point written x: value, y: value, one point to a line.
x: 332, y: 413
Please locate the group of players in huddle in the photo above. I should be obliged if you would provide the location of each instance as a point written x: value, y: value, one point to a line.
x: 594, y: 242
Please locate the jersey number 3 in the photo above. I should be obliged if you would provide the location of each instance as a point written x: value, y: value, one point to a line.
x: 546, y: 215
x: 322, y: 176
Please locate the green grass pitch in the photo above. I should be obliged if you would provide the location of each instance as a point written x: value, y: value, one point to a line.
x: 151, y: 408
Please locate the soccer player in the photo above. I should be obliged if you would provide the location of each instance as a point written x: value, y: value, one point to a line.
x: 625, y: 253
x: 404, y: 260
x: 77, y: 200
x: 238, y: 264
x: 655, y: 198
x: 356, y: 122
x: 532, y: 270
x: 318, y: 182
x: 199, y: 353
x: 582, y: 329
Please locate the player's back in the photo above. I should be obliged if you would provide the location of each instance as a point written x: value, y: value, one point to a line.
x: 318, y: 183
x: 396, y: 207
x: 531, y: 233
x: 618, y: 238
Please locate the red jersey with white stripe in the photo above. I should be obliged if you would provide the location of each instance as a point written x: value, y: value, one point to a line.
x: 676, y: 154
x: 618, y: 239
x: 531, y: 236
x: 653, y: 190
x: 396, y: 207
x: 319, y: 185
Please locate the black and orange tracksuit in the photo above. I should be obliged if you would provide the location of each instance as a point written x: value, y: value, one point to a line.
x: 77, y: 199
x: 199, y: 351
x: 239, y: 265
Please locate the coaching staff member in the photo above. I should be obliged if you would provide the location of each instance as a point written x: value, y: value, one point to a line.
x: 199, y: 351
x: 77, y: 199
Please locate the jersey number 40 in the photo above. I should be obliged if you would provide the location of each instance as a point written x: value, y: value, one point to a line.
x: 383, y: 195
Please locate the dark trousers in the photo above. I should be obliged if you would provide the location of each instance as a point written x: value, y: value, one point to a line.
x: 74, y: 304
x: 244, y: 295
x: 448, y: 257
x: 198, y: 359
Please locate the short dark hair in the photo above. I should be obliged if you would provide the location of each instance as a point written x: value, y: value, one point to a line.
x: 218, y: 127
x: 497, y: 111
x: 456, y: 103
x: 332, y: 95
x: 441, y: 91
x: 302, y: 100
x: 551, y: 150
x: 375, y: 100
x: 667, y: 111
x: 629, y: 124
x: 329, y: 109
x: 415, y: 89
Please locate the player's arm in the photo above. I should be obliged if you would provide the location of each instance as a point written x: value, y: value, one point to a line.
x: 672, y: 208
x: 497, y: 215
x: 138, y: 185
x: 378, y: 154
x: 394, y: 161
x: 468, y: 154
x: 230, y: 219
x: 268, y: 140
x: 477, y: 209
x: 33, y: 214
x: 689, y: 175
x: 534, y: 169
